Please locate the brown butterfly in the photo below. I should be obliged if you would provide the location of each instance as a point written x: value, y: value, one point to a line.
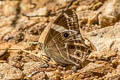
x: 63, y: 40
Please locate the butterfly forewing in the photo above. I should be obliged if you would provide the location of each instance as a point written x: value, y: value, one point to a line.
x: 64, y: 42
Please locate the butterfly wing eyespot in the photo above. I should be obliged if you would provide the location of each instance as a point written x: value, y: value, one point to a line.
x: 66, y: 35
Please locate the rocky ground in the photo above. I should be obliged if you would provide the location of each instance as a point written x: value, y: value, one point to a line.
x: 22, y: 22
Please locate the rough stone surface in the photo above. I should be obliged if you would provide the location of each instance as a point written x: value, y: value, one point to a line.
x: 8, y: 72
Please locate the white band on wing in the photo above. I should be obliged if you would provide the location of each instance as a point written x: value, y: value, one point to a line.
x: 62, y: 29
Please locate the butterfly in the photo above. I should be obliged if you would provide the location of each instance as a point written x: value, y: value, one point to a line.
x: 63, y: 40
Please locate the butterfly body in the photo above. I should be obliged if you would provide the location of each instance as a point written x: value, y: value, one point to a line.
x: 64, y: 42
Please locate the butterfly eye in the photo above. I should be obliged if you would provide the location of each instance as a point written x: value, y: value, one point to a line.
x: 66, y: 35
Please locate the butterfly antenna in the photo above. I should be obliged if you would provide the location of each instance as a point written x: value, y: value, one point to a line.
x: 24, y: 50
x: 33, y: 43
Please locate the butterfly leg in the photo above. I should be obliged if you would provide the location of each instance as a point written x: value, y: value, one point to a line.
x: 44, y: 61
x: 43, y: 57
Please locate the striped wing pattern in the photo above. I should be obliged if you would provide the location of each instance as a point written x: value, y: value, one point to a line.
x: 64, y: 42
